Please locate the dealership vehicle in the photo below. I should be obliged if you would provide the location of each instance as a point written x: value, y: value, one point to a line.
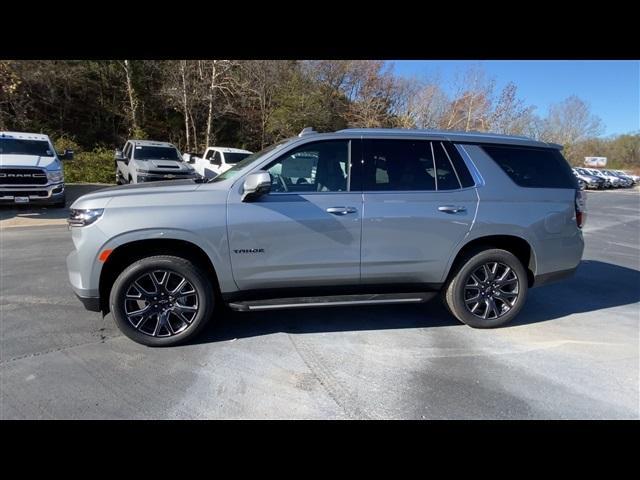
x: 149, y: 161
x: 590, y: 181
x: 354, y: 217
x: 625, y: 180
x: 31, y: 170
x: 610, y: 181
x: 635, y: 178
x: 217, y: 160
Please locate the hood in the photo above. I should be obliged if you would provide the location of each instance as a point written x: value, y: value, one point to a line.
x: 11, y: 160
x: 135, y: 192
x: 165, y: 164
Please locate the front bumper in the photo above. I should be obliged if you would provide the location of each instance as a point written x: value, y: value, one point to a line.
x: 90, y: 303
x: 41, y: 194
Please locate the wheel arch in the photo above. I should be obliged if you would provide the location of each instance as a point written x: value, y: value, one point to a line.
x: 517, y: 245
x: 124, y: 255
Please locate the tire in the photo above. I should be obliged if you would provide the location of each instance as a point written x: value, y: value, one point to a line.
x: 460, y: 286
x: 154, y: 331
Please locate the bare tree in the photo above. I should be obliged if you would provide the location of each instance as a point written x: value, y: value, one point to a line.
x: 571, y: 121
x: 131, y: 93
x: 221, y: 82
x: 260, y: 81
x: 509, y: 114
x: 471, y: 106
x: 369, y: 86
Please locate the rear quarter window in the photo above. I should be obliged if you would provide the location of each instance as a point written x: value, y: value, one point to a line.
x: 533, y: 167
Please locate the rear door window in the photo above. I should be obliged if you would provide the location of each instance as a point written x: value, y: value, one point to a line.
x: 398, y: 165
x: 412, y: 165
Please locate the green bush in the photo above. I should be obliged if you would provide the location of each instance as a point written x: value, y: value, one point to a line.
x: 96, y: 166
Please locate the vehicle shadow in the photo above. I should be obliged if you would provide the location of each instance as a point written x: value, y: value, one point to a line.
x: 595, y: 286
x: 46, y: 212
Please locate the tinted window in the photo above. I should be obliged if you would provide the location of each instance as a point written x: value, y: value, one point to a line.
x: 446, y: 176
x: 215, y: 159
x: 398, y: 165
x: 16, y: 146
x: 233, y: 158
x: 233, y: 171
x: 314, y: 167
x: 466, y: 180
x: 533, y: 167
x: 156, y: 153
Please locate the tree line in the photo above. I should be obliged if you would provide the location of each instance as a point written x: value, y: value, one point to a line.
x: 95, y: 106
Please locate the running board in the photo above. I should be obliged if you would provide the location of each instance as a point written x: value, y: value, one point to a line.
x: 330, y: 301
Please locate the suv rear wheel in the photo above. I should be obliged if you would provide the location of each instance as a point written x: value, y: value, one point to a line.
x: 488, y: 289
x: 161, y: 300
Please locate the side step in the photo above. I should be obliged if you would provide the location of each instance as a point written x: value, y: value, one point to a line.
x: 331, y: 301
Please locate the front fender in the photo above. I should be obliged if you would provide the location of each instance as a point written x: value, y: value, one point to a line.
x: 219, y: 259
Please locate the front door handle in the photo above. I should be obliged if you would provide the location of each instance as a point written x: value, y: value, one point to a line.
x: 341, y: 210
x: 452, y: 209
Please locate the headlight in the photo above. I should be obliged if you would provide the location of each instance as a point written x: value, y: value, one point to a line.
x: 84, y: 217
x: 142, y: 171
x: 55, y: 175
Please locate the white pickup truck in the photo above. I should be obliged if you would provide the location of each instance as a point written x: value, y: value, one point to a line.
x: 217, y: 160
x: 31, y: 169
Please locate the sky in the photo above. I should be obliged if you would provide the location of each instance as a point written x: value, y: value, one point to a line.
x: 610, y: 87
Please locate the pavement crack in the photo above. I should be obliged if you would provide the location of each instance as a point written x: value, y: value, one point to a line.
x: 103, y: 338
x: 336, y: 391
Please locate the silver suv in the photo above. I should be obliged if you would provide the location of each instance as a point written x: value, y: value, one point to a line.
x: 359, y: 216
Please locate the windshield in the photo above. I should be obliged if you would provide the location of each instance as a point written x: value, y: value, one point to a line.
x: 231, y: 158
x: 233, y: 171
x: 17, y: 146
x: 157, y: 153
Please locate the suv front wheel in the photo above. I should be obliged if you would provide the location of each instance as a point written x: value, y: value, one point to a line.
x: 488, y: 289
x: 161, y: 300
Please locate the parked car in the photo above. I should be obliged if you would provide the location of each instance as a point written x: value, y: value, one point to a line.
x: 611, y: 181
x: 635, y: 178
x: 354, y: 217
x: 625, y: 180
x: 31, y: 170
x: 590, y: 181
x: 149, y: 161
x: 217, y: 160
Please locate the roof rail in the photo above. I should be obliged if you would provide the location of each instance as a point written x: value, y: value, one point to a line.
x: 306, y: 131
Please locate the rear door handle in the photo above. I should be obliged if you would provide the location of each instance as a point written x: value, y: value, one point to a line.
x: 341, y: 210
x: 452, y: 209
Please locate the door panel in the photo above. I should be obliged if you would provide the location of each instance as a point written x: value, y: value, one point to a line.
x: 415, y: 211
x: 307, y: 231
x: 406, y: 238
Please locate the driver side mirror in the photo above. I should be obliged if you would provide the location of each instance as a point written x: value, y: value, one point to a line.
x: 119, y: 156
x: 67, y: 155
x: 255, y: 185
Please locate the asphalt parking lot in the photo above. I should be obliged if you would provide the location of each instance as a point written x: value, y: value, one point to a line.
x: 572, y: 353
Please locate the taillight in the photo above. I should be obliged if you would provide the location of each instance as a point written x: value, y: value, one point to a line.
x: 581, y: 208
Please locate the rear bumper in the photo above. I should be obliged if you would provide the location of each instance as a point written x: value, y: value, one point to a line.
x: 553, y: 277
